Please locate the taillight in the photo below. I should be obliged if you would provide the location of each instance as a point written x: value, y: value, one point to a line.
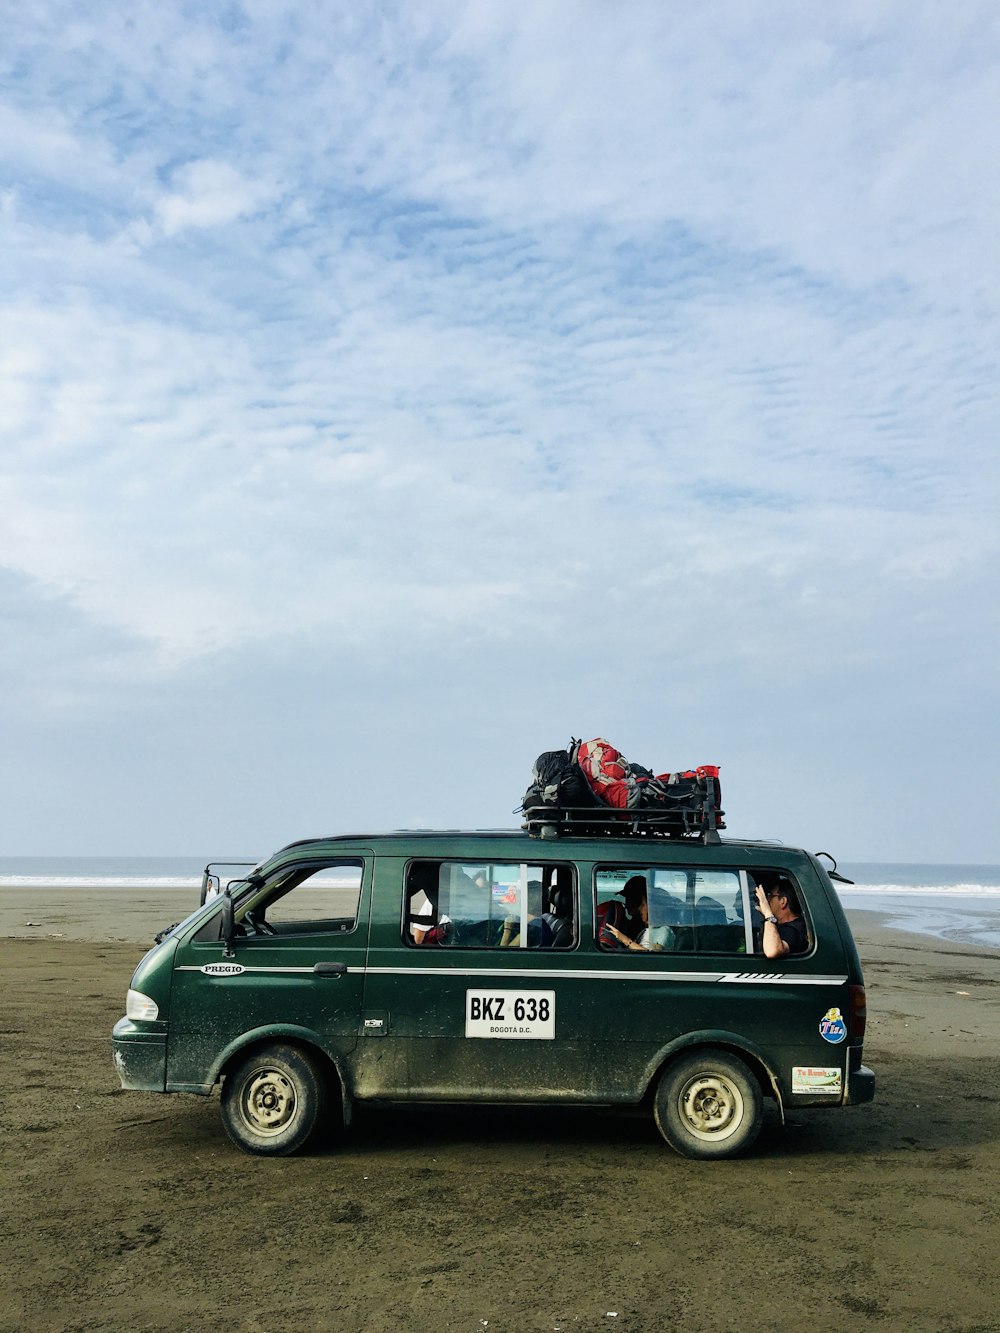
x: 859, y: 1012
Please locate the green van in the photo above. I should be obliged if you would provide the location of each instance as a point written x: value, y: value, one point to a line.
x: 504, y: 968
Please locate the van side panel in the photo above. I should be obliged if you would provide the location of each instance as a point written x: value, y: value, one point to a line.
x: 419, y: 998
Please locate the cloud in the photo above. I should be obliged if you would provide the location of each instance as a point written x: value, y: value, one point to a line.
x: 189, y: 492
x: 47, y: 149
x: 209, y: 194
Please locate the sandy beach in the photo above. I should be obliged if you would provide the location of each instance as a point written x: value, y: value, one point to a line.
x: 133, y: 1211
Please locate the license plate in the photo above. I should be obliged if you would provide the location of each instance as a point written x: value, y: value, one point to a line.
x: 514, y: 1015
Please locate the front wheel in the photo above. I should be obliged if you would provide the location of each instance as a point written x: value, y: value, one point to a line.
x: 708, y: 1105
x: 274, y: 1100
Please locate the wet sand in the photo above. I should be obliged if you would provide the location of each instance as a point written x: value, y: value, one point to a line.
x: 133, y: 1211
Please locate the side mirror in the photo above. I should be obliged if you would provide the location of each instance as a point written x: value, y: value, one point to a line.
x: 228, y: 931
x: 210, y: 887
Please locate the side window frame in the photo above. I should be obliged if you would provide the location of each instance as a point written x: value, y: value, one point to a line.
x: 748, y: 906
x: 526, y: 876
x: 690, y: 901
x: 800, y: 897
x: 299, y: 873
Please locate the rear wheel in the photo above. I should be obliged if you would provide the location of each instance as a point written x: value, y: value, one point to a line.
x: 274, y: 1100
x: 708, y: 1104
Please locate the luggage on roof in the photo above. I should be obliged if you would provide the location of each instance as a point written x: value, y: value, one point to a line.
x: 590, y: 787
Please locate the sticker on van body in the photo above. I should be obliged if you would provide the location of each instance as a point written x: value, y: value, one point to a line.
x: 514, y: 1015
x: 832, y: 1027
x: 816, y: 1079
x: 222, y: 969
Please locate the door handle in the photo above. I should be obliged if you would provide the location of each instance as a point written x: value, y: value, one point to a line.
x: 330, y: 969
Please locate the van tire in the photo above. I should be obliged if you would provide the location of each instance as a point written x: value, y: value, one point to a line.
x: 708, y: 1104
x: 274, y: 1100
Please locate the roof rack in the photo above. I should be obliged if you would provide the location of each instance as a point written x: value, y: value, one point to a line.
x: 691, y: 825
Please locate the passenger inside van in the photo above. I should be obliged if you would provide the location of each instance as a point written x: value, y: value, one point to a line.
x: 539, y: 932
x: 426, y: 924
x: 624, y: 922
x: 784, y: 930
x: 558, y: 913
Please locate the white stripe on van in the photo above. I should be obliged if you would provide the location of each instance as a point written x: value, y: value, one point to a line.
x: 616, y: 974
x: 575, y: 974
x: 782, y: 978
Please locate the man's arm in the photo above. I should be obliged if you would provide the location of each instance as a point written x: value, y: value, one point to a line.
x: 774, y: 946
x: 771, y: 942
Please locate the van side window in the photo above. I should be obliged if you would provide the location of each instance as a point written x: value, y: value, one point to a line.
x: 306, y: 900
x: 670, y: 909
x: 490, y: 905
x: 784, y: 901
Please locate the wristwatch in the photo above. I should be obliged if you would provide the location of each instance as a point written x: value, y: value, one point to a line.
x: 772, y: 918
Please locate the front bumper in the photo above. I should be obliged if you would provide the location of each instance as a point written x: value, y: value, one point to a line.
x: 140, y: 1056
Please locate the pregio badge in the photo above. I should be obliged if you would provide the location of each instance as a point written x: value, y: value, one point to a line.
x: 832, y: 1027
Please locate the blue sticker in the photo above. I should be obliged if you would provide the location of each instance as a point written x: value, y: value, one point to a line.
x: 832, y: 1027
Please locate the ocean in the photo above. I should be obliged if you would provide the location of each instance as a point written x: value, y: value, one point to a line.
x: 111, y: 872
x: 953, y: 901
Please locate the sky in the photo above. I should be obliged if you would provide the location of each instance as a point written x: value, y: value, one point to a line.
x: 392, y: 392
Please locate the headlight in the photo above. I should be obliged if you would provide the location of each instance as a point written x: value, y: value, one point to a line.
x: 139, y: 1006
